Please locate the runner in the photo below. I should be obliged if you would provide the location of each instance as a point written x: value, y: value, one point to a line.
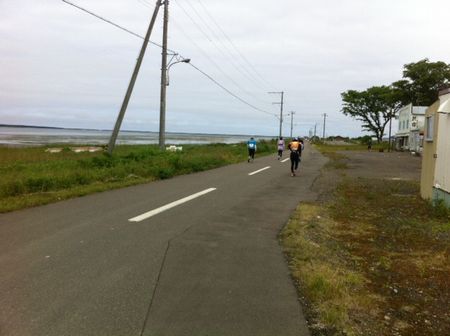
x: 280, y: 148
x: 251, y: 145
x: 296, y: 148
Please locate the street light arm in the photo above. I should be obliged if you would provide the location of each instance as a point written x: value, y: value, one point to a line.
x: 184, y: 60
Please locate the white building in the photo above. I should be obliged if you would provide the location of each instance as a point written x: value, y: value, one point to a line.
x: 411, y: 121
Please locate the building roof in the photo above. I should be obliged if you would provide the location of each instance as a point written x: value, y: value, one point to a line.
x: 412, y: 110
x: 419, y: 110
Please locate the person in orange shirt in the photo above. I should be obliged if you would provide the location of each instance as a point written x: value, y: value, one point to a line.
x: 295, y: 147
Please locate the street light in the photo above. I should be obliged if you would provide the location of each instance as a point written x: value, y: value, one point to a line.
x: 164, y: 84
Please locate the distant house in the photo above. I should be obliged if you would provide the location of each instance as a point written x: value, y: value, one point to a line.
x: 435, y: 179
x: 411, y: 121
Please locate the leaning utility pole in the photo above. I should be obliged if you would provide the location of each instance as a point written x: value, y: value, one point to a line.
x: 281, y: 103
x: 324, y: 124
x: 292, y: 121
x: 162, y: 106
x: 112, y: 140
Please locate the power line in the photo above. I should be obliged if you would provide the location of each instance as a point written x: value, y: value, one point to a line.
x: 228, y: 91
x: 111, y: 23
x: 217, y: 47
x: 205, y: 54
x: 233, y: 45
x: 258, y: 77
x: 176, y: 53
x: 242, y: 70
x: 211, y: 60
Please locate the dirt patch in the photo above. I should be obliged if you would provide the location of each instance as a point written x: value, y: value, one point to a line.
x: 371, y: 257
x: 394, y: 165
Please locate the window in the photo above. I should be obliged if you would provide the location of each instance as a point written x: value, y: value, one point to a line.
x: 407, y: 123
x: 429, y: 128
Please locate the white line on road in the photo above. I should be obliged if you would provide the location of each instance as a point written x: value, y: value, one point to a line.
x: 285, y: 160
x: 169, y: 206
x: 258, y: 171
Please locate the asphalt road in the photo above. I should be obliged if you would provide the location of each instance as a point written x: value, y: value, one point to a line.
x: 210, y: 266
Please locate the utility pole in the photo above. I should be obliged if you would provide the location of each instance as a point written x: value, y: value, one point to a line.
x: 315, y: 130
x: 390, y: 135
x: 292, y: 121
x: 112, y: 140
x: 162, y: 107
x: 324, y: 124
x: 281, y: 103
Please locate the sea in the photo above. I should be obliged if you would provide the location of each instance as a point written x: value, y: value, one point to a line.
x: 21, y: 136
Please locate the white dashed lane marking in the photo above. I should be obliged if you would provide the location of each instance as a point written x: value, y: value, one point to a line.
x: 258, y: 171
x: 169, y: 206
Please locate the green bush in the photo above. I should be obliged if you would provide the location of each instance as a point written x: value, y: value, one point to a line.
x: 440, y: 209
x: 99, y: 162
x: 164, y: 172
x: 12, y: 188
x: 39, y: 184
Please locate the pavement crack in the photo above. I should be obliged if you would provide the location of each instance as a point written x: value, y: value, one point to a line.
x: 147, y: 317
x: 155, y: 288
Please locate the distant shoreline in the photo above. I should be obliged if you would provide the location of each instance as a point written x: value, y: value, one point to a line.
x: 27, y: 135
x: 154, y: 132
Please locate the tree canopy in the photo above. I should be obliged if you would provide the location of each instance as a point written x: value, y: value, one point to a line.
x: 422, y: 81
x: 374, y: 107
x: 377, y: 105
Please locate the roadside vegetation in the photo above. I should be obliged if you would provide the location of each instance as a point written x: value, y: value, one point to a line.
x: 333, y: 151
x: 374, y: 259
x: 32, y: 176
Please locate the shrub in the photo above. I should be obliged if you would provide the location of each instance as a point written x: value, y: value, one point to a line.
x: 40, y: 183
x: 440, y: 209
x: 12, y: 188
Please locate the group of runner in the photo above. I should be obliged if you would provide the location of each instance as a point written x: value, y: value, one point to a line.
x: 295, y: 147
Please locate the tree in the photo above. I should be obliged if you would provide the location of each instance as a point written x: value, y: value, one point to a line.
x: 422, y: 81
x: 374, y: 107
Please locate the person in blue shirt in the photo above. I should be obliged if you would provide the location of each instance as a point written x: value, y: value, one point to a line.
x: 251, y: 145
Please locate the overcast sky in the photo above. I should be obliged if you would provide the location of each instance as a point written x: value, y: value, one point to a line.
x: 62, y: 67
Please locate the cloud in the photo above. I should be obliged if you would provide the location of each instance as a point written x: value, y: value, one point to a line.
x: 62, y: 67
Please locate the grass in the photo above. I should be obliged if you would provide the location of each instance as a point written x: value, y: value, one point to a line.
x: 337, y: 160
x: 327, y: 148
x: 334, y: 291
x: 374, y: 261
x: 32, y: 176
